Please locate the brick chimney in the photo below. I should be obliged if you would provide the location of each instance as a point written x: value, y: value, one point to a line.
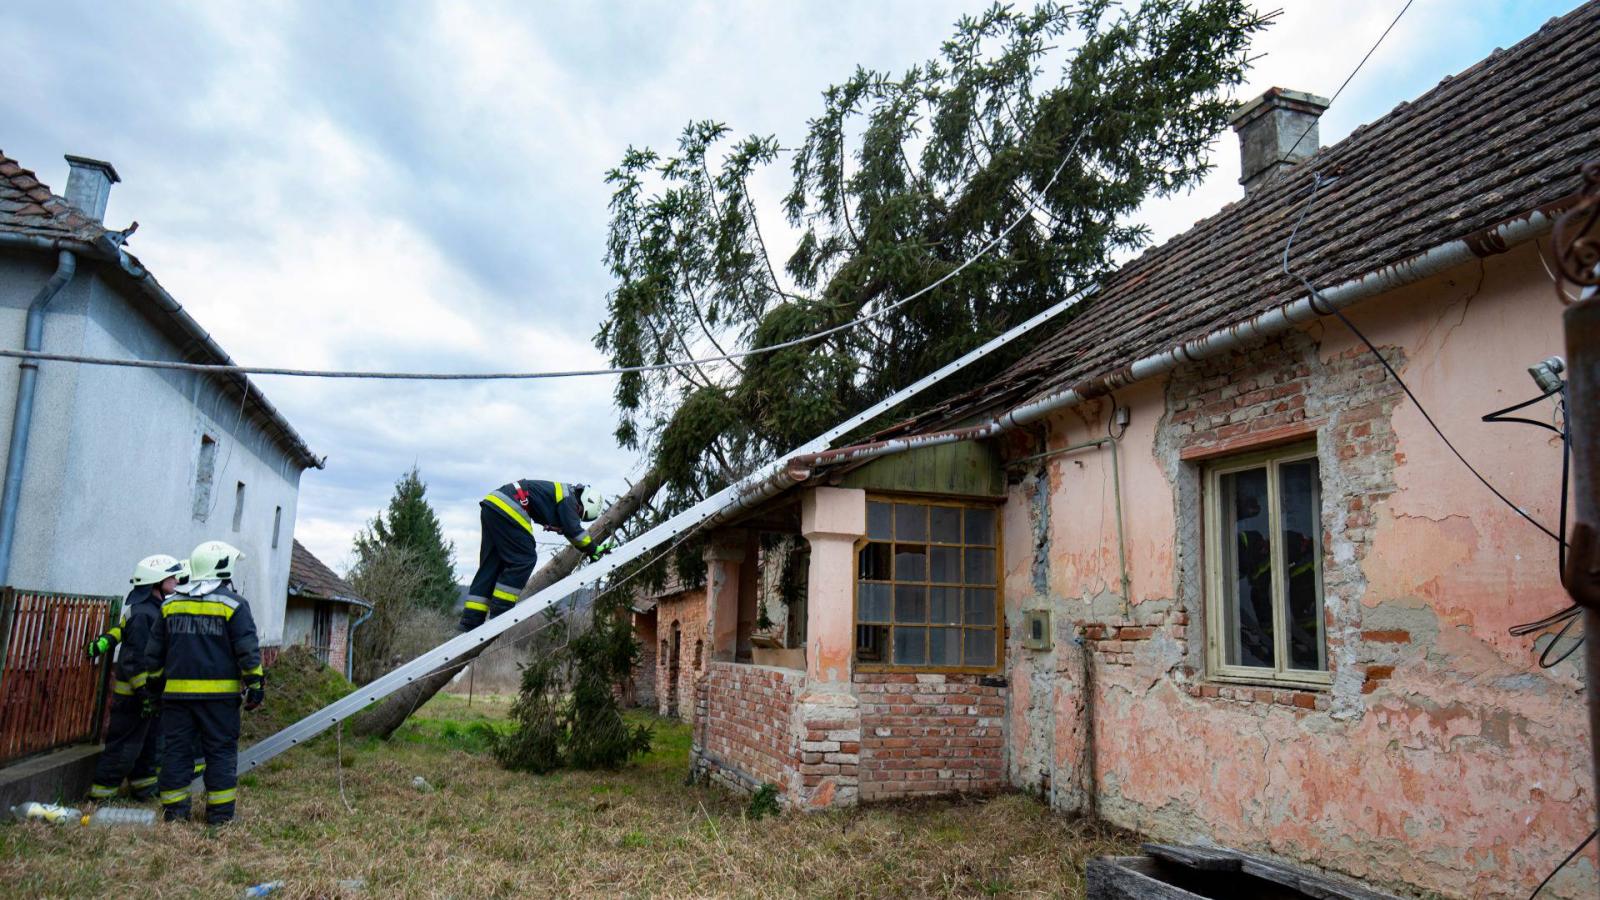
x: 89, y: 185
x: 1276, y: 130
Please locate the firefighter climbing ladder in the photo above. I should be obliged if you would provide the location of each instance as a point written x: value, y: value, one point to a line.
x: 717, y: 508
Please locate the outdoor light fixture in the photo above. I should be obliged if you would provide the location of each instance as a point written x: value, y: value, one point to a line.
x: 1547, y: 374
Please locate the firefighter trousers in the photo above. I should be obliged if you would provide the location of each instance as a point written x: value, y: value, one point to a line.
x: 505, y: 561
x: 133, y: 750
x: 212, y: 726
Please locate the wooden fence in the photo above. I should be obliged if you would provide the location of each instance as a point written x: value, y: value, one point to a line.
x: 50, y: 693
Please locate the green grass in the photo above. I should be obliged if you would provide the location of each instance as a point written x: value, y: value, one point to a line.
x: 485, y: 832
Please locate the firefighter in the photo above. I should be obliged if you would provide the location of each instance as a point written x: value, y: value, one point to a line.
x: 508, y: 553
x: 204, y: 653
x: 133, y: 739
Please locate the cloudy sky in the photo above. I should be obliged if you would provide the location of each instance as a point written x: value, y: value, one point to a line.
x: 419, y: 185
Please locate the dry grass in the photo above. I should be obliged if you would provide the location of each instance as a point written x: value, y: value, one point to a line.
x: 485, y: 832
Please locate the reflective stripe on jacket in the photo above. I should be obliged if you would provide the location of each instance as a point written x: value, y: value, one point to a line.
x: 553, y: 504
x: 204, y: 644
x: 139, y: 614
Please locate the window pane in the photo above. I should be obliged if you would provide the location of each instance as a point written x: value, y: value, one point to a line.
x: 873, y: 602
x: 910, y: 646
x: 980, y: 606
x: 946, y: 524
x: 980, y: 526
x: 944, y: 646
x: 871, y: 642
x: 872, y: 563
x: 980, y: 565
x: 944, y: 605
x: 910, y: 603
x: 910, y: 522
x: 1247, y: 569
x: 878, y: 520
x: 910, y: 562
x: 944, y: 564
x: 979, y: 649
x: 1300, y: 520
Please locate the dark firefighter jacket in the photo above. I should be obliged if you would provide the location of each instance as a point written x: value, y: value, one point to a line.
x: 140, y: 612
x: 204, y: 645
x: 552, y: 504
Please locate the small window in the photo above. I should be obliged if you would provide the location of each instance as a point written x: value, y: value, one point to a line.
x: 277, y: 523
x: 238, y: 506
x: 204, y: 472
x: 1264, y: 566
x: 927, y: 587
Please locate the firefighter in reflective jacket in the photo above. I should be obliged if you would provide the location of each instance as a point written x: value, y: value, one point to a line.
x: 205, y: 653
x: 508, y: 553
x: 133, y: 738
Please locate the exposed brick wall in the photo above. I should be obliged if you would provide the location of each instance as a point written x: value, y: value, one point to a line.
x: 641, y: 688
x: 744, y: 731
x: 336, y: 640
x: 929, y: 734
x: 676, y: 696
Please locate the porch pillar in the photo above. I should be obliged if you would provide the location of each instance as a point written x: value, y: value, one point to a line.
x: 724, y: 557
x: 832, y: 520
x: 827, y: 716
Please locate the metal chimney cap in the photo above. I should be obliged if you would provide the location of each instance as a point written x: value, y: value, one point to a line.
x: 102, y: 165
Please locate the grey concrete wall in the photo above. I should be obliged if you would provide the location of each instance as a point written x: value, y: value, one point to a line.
x: 114, y: 454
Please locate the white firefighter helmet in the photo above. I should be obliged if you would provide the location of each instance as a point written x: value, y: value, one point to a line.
x: 214, y: 561
x: 158, y: 568
x: 593, y: 505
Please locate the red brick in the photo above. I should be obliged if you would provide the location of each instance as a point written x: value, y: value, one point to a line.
x: 1387, y: 636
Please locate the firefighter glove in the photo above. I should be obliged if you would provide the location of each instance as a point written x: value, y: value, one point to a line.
x: 253, y: 695
x: 601, y: 550
x: 149, y: 708
x: 99, y: 646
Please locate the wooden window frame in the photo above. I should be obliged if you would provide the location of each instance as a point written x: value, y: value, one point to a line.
x: 1216, y: 588
x: 999, y: 628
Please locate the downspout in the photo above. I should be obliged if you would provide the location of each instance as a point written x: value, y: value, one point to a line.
x: 350, y: 640
x: 22, y: 420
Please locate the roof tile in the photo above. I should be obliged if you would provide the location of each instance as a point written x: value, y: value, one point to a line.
x: 1495, y: 142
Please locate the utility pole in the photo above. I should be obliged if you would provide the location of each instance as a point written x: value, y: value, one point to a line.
x: 1576, y: 241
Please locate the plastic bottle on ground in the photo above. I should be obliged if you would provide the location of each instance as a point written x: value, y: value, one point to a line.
x: 263, y: 889
x: 45, y: 812
x: 121, y: 817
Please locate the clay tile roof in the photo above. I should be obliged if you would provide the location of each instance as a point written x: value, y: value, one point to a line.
x: 1500, y: 140
x: 311, y: 579
x: 28, y: 207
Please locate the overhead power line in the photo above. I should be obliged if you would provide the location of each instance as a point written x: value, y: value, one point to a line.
x: 1351, y: 77
x: 226, y: 369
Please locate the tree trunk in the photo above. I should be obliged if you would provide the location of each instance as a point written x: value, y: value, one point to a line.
x: 383, y: 719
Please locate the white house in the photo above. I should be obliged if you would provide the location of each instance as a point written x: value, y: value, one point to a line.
x: 104, y: 465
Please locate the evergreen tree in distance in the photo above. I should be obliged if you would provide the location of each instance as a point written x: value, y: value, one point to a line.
x: 410, y: 524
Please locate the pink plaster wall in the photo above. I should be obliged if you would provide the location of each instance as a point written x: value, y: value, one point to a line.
x: 1442, y: 758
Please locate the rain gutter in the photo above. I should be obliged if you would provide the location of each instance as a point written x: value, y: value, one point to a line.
x: 1277, y: 320
x: 107, y: 250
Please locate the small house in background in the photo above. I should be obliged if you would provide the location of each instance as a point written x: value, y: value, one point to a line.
x: 670, y: 625
x: 321, y: 610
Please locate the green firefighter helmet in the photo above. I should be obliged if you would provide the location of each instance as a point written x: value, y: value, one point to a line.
x: 214, y: 561
x: 593, y: 505
x: 158, y: 568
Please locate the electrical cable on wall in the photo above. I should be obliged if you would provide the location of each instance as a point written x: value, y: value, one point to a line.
x: 1568, y: 615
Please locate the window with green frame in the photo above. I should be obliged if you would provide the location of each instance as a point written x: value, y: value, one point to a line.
x: 927, y: 585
